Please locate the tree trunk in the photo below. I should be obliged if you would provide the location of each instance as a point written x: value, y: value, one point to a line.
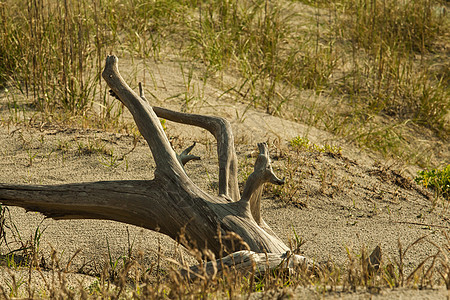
x: 170, y: 203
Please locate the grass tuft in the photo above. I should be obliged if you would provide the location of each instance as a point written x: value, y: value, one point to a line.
x: 437, y: 179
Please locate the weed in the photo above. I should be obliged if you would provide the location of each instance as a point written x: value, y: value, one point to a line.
x: 125, y: 277
x: 3, y: 210
x: 47, y: 45
x: 63, y: 146
x: 21, y: 252
x: 300, y: 143
x: 437, y: 179
x: 110, y: 160
x: 31, y: 157
x: 92, y: 146
x: 52, y: 52
x: 296, y: 243
x: 192, y: 92
x: 116, y: 264
x: 407, y: 26
x: 15, y: 285
x: 250, y: 38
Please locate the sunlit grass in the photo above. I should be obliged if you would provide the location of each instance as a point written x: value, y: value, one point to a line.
x: 379, y: 60
x: 128, y: 275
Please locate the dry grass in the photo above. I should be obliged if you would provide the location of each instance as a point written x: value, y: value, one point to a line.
x: 130, y: 276
x: 384, y: 62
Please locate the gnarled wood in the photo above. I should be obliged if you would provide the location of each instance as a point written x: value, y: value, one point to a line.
x: 170, y: 203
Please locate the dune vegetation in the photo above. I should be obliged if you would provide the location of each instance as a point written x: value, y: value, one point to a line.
x: 375, y: 73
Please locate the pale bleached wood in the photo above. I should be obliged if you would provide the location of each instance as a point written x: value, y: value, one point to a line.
x: 248, y: 262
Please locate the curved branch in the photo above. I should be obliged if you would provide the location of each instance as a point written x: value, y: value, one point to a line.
x: 145, y: 118
x: 220, y: 128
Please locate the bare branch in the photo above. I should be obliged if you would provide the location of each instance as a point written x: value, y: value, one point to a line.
x: 145, y: 118
x: 263, y: 173
x: 248, y: 262
x: 184, y: 157
x: 220, y: 128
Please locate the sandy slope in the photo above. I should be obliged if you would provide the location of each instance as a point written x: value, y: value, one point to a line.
x: 354, y: 200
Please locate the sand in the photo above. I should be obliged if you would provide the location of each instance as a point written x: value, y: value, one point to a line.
x: 349, y: 201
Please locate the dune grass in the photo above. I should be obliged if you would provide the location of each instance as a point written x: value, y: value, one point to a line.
x: 384, y: 62
x: 400, y: 78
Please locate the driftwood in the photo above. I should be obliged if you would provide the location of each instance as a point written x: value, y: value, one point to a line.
x: 170, y: 203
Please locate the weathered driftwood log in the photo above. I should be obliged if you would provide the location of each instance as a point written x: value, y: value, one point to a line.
x: 170, y: 203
